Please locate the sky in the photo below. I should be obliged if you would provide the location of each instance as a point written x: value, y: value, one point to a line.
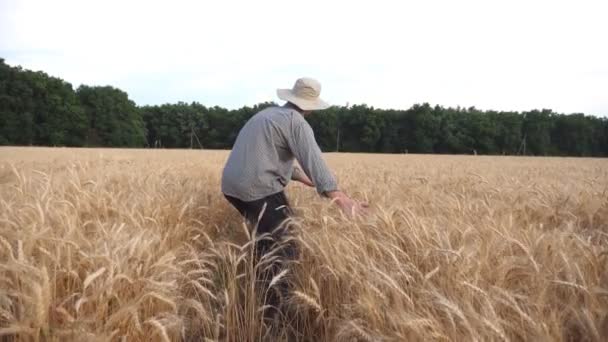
x: 501, y: 55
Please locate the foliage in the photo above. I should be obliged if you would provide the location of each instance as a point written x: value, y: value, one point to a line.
x: 114, y: 120
x: 36, y: 109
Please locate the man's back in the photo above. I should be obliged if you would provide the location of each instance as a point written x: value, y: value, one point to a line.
x: 261, y: 161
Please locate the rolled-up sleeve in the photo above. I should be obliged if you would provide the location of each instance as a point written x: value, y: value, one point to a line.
x: 306, y: 150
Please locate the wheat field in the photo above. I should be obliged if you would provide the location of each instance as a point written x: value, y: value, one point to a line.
x: 140, y: 245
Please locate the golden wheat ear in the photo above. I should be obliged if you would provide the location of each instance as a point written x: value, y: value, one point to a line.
x: 113, y: 245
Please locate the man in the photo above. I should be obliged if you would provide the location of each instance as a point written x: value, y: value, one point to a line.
x: 262, y: 163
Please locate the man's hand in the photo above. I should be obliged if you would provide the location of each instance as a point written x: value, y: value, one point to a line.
x: 349, y: 207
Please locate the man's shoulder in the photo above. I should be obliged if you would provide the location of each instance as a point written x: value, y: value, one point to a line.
x: 281, y: 113
x: 279, y: 110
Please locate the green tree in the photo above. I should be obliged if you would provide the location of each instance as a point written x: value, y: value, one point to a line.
x: 325, y: 126
x: 508, y: 134
x: 36, y: 109
x: 537, y: 127
x: 114, y: 120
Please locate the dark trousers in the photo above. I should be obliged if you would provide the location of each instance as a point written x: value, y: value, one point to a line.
x: 273, y: 236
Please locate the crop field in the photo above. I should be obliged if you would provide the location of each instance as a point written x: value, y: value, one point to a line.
x: 140, y: 245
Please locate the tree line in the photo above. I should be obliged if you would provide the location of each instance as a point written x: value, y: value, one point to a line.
x: 37, y: 109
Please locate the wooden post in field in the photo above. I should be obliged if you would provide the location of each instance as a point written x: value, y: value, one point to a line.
x: 338, y: 135
x: 192, y: 136
x: 338, y: 140
x: 522, y: 146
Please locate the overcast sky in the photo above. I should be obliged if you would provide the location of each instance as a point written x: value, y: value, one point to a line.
x: 503, y: 55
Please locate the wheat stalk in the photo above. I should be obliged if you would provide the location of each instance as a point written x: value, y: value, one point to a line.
x: 95, y: 242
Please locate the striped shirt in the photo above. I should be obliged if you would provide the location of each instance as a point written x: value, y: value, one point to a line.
x: 261, y: 162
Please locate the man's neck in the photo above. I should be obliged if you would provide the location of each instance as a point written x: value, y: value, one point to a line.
x: 294, y: 107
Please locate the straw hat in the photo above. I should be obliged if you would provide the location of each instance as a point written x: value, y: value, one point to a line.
x: 304, y: 94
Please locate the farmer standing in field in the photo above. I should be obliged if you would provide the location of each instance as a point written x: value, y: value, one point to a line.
x: 261, y: 164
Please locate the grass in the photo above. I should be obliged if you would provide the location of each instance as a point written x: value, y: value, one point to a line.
x: 139, y: 245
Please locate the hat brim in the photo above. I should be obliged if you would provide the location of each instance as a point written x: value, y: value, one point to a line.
x: 304, y: 104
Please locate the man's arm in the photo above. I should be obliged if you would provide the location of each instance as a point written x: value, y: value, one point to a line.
x: 299, y: 176
x: 304, y: 147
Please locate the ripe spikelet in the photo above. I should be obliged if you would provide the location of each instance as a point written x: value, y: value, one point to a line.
x: 91, y: 277
x: 7, y: 247
x: 308, y: 300
x: 495, y: 329
x: 39, y: 310
x: 315, y: 287
x: 200, y: 310
x: 197, y: 285
x: 45, y: 294
x: 351, y: 331
x: 160, y: 329
x: 161, y: 298
x: 278, y: 277
x: 141, y: 245
x: 20, y: 255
